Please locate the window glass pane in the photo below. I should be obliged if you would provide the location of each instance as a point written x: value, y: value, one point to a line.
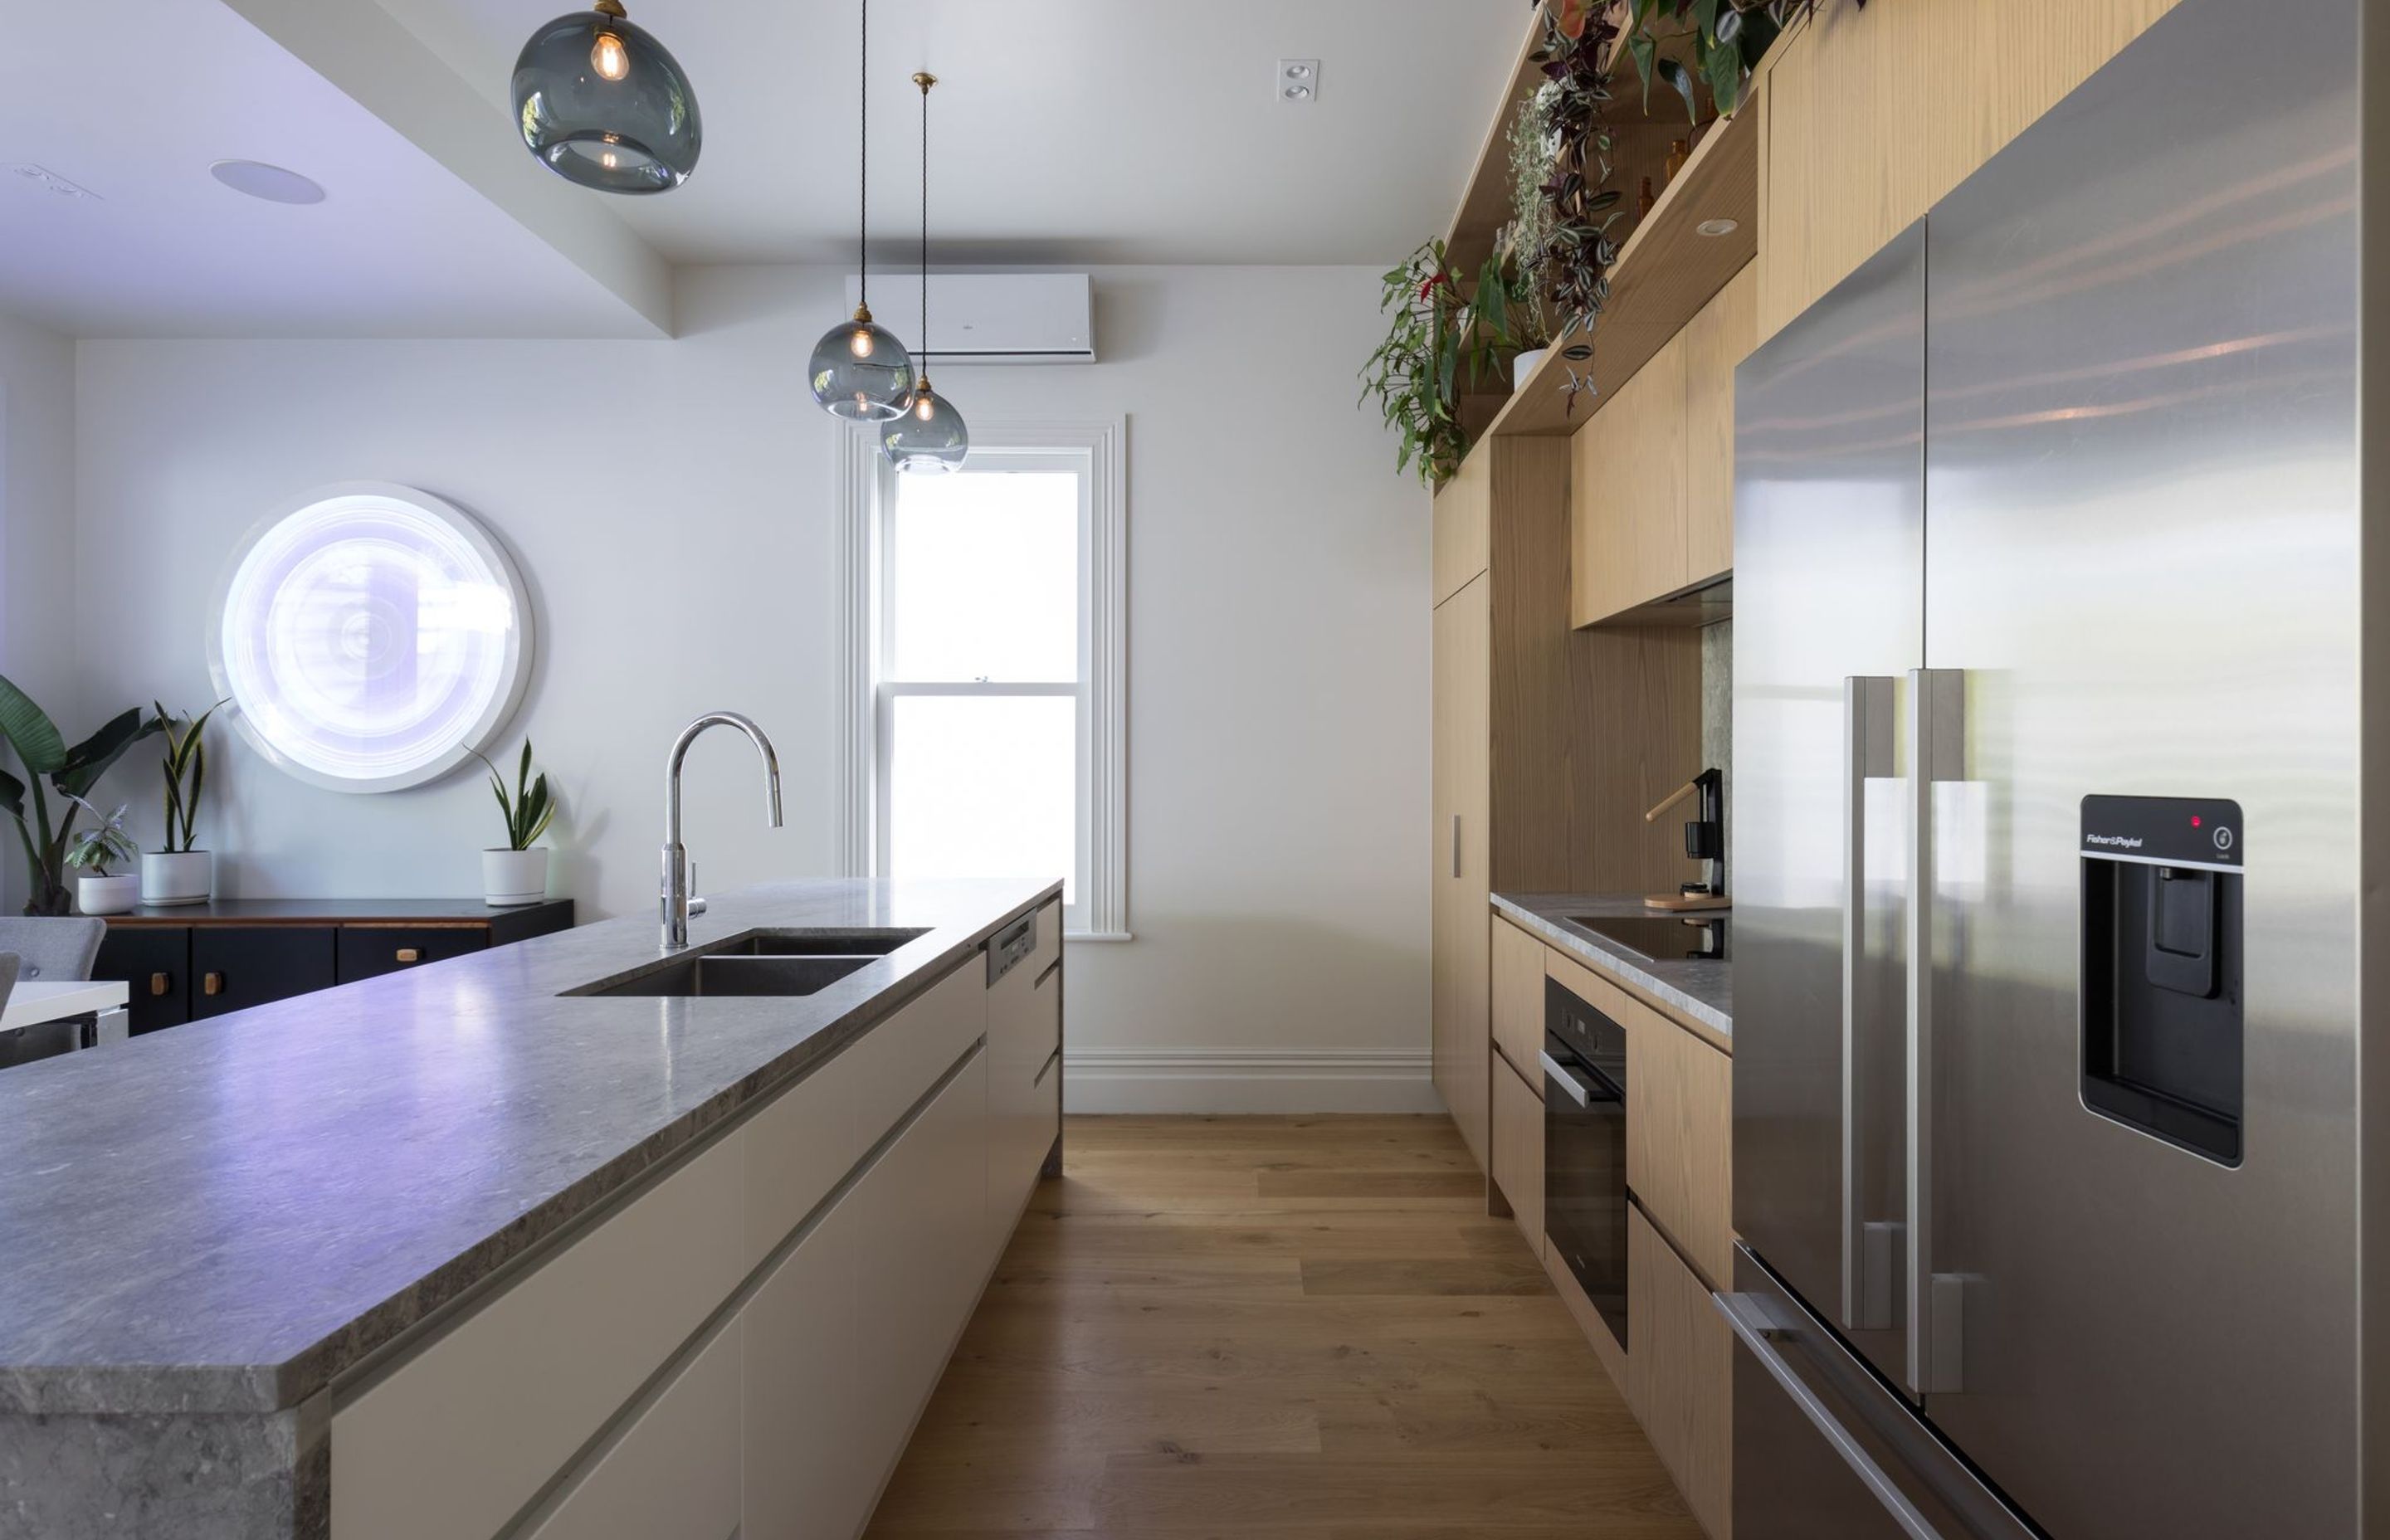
x: 982, y: 786
x: 986, y: 577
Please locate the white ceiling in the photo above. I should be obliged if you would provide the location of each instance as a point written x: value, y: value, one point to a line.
x: 132, y: 99
x: 1063, y: 132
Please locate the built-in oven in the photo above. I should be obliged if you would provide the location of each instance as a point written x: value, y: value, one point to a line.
x: 1585, y: 1149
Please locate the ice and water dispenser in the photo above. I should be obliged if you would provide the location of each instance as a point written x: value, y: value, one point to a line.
x: 2162, y: 957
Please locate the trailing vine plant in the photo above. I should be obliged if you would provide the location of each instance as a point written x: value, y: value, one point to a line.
x: 1581, y: 209
x: 1727, y: 39
x: 1415, y: 373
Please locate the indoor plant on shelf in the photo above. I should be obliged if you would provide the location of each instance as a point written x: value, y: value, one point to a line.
x: 104, y: 844
x: 1417, y: 372
x: 43, y: 753
x: 177, y: 873
x: 518, y: 874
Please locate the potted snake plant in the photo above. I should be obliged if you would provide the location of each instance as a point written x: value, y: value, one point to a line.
x: 517, y: 873
x: 180, y: 873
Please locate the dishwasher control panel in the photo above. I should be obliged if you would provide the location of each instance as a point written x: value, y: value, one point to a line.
x: 1012, y: 946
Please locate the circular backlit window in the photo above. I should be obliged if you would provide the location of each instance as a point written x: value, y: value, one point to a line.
x: 370, y: 638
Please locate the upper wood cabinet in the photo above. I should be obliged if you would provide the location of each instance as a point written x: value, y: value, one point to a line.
x: 1463, y: 526
x: 1653, y: 492
x: 1727, y: 330
x: 1872, y: 114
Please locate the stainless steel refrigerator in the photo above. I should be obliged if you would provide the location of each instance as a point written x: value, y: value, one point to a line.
x: 2048, y: 719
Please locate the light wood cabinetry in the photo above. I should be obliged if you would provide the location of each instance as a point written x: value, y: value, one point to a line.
x: 1518, y: 1147
x: 1873, y: 114
x: 1679, y: 1138
x: 1681, y: 1374
x: 1717, y: 339
x: 1461, y: 526
x: 1518, y: 997
x: 1653, y: 492
x: 1461, y: 801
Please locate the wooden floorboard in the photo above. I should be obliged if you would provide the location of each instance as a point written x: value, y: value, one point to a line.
x: 1273, y: 1328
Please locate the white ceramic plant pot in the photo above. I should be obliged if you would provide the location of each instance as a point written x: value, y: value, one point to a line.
x: 107, y: 896
x: 1524, y: 365
x: 513, y: 877
x: 181, y: 877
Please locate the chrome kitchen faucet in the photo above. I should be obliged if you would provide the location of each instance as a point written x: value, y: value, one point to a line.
x: 677, y: 905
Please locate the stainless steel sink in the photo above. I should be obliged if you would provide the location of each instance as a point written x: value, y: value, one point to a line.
x: 731, y: 973
x: 815, y: 943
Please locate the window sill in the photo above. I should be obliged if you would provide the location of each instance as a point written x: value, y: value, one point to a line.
x: 1069, y: 936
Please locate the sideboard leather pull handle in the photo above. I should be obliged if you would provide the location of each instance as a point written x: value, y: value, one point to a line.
x: 158, y: 983
x: 409, y: 953
x: 212, y: 984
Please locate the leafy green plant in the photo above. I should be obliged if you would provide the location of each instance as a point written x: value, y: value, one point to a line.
x: 1416, y: 372
x: 186, y: 776
x: 102, y: 844
x: 531, y: 809
x: 1726, y: 39
x: 43, y: 753
x: 1580, y: 247
x: 1535, y: 151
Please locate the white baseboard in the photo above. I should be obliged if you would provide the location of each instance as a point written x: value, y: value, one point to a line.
x: 1248, y: 1080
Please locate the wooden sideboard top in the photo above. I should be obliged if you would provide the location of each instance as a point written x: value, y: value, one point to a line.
x: 460, y: 912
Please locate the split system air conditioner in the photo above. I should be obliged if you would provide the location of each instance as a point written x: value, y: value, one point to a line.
x: 989, y: 317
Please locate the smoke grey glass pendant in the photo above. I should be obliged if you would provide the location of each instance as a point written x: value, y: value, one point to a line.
x: 859, y: 371
x: 931, y: 438
x: 602, y: 103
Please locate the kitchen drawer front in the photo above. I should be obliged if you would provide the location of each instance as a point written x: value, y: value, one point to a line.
x: 1518, y: 1148
x: 155, y: 963
x: 803, y: 1142
x: 235, y: 967
x: 674, y: 1471
x: 1681, y: 1374
x: 370, y: 951
x: 1024, y: 1089
x: 456, y: 1440
x: 1518, y: 997
x: 1680, y: 1139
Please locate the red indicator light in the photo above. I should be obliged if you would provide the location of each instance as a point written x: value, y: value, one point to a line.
x: 2194, y: 820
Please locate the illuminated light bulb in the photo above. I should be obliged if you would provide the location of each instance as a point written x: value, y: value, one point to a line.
x: 925, y: 408
x: 858, y: 342
x: 607, y: 57
x: 608, y: 161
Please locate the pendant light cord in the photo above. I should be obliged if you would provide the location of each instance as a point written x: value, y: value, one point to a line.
x: 926, y: 81
x: 862, y: 172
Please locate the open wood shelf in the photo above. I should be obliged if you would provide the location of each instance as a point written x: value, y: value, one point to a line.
x: 1664, y: 273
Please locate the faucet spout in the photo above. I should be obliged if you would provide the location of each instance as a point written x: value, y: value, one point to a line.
x: 676, y: 903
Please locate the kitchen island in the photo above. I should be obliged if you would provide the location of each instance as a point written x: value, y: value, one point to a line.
x: 436, y: 1254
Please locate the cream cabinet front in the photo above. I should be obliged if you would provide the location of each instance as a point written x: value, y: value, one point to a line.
x: 742, y: 1347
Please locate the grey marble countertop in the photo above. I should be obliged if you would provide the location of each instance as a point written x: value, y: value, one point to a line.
x: 224, y: 1216
x: 1700, y: 990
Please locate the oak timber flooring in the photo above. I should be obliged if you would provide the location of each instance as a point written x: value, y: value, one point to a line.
x: 1271, y: 1328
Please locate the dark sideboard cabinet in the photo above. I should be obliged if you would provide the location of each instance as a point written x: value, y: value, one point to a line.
x: 189, y: 962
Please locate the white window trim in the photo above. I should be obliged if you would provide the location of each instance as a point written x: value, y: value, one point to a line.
x: 1103, y: 554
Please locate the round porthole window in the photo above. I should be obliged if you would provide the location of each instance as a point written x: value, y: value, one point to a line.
x: 371, y: 637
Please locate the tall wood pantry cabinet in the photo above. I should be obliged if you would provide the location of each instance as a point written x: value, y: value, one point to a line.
x: 1500, y: 756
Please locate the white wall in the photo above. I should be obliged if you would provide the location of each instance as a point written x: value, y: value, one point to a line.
x: 37, y: 370
x: 670, y: 505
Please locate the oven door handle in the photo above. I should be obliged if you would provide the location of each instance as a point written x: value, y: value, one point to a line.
x: 1571, y: 1085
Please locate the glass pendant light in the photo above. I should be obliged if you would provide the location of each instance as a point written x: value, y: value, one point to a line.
x: 930, y: 437
x: 859, y: 371
x: 601, y: 103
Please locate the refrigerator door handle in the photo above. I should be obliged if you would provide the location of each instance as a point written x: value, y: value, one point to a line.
x: 1880, y: 1486
x: 1867, y: 717
x: 1937, y: 714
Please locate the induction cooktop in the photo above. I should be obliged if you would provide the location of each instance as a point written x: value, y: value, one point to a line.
x: 1663, y: 938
